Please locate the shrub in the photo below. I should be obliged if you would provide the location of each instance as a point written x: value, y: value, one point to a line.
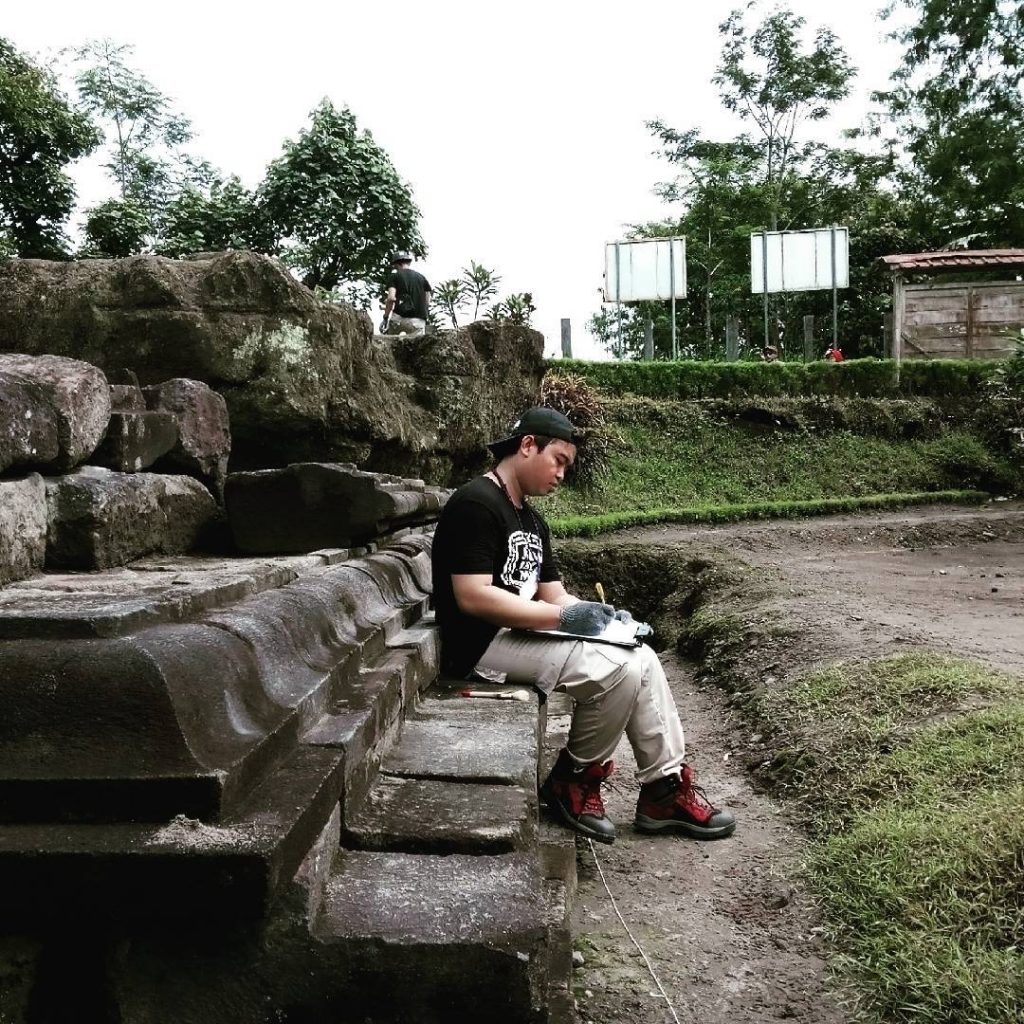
x: 573, y: 395
x: 942, y: 379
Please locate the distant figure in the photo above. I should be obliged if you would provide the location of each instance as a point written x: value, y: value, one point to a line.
x: 770, y: 354
x: 407, y: 299
x: 834, y: 354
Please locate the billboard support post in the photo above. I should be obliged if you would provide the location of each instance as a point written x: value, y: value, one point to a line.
x: 618, y: 299
x: 672, y: 278
x: 835, y: 293
x: 764, y: 265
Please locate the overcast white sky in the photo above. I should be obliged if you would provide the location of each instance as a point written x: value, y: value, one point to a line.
x: 519, y: 126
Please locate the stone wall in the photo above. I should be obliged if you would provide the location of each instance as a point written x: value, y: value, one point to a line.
x: 91, y: 477
x: 304, y: 381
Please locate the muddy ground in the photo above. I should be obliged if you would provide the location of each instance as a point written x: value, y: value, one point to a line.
x: 728, y: 926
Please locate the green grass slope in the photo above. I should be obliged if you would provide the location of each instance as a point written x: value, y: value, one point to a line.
x: 676, y: 455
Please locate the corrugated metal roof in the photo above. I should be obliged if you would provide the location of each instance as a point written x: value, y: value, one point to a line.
x: 954, y: 259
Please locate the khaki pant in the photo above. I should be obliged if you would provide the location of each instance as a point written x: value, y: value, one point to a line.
x: 615, y: 690
x: 412, y: 326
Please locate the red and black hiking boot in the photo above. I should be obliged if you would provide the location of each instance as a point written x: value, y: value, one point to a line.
x: 573, y: 792
x: 674, y: 804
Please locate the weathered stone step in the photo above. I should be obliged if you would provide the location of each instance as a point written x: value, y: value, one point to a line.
x: 424, y: 816
x: 181, y: 870
x: 436, y: 939
x: 232, y: 869
x: 469, y: 740
x: 186, y: 718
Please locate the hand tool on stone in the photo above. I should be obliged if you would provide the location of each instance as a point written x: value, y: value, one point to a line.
x: 497, y: 694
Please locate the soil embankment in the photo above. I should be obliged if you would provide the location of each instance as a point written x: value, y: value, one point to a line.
x: 728, y: 926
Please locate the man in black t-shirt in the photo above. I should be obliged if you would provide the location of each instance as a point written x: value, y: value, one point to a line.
x: 494, y: 574
x: 407, y: 301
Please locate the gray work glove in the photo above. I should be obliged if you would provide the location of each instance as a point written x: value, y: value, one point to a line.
x: 642, y: 628
x: 587, y: 618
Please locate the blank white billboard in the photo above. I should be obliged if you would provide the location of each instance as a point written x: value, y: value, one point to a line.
x: 799, y: 261
x: 645, y: 270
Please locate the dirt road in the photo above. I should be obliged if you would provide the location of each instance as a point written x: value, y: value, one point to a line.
x: 727, y: 926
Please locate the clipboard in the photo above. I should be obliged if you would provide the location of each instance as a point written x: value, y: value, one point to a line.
x: 615, y: 634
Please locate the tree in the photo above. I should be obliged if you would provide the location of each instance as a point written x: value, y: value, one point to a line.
x: 146, y: 137
x: 722, y: 200
x: 480, y: 284
x: 224, y: 215
x: 774, y: 176
x: 957, y: 110
x: 40, y: 134
x: 765, y: 77
x: 116, y: 228
x: 449, y: 296
x: 337, y: 203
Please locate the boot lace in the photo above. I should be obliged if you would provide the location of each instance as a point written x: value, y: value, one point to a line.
x: 592, y: 802
x: 693, y: 798
x: 590, y: 786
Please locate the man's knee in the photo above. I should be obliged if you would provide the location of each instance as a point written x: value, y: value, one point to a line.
x: 623, y: 679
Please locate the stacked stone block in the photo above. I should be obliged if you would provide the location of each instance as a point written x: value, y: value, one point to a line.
x: 73, y: 451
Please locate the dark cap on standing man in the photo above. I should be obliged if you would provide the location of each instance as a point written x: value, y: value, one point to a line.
x: 539, y: 421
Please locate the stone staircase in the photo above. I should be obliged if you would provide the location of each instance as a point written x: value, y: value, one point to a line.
x: 234, y: 790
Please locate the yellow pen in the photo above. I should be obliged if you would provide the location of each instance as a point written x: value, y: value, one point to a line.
x: 600, y: 592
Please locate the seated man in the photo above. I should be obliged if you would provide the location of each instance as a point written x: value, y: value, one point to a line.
x: 493, y: 574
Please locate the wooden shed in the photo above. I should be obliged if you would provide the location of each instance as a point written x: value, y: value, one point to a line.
x: 935, y: 318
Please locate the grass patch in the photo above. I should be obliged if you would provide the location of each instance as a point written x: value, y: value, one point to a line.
x: 911, y: 771
x: 588, y: 526
x: 672, y: 456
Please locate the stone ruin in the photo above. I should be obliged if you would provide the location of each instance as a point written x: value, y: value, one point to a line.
x: 232, y: 786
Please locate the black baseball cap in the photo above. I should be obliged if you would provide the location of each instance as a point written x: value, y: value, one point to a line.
x: 539, y: 420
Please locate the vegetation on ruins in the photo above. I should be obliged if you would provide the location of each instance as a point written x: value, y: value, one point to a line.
x: 332, y: 206
x: 516, y: 309
x: 476, y: 286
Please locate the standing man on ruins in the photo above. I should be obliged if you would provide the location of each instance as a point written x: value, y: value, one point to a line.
x: 407, y: 301
x: 494, y: 575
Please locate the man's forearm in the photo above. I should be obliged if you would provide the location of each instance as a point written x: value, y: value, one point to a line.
x: 504, y: 609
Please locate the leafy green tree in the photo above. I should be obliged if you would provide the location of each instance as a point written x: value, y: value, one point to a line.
x: 481, y: 285
x: 723, y: 201
x: 450, y: 296
x: 774, y: 175
x: 765, y: 76
x: 224, y: 215
x: 627, y: 343
x: 116, y: 228
x: 955, y: 113
x: 40, y: 134
x: 337, y: 203
x: 145, y: 138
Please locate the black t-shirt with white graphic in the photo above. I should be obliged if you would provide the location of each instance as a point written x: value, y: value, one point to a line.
x: 480, y: 531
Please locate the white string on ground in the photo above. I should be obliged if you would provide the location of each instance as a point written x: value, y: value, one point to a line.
x: 640, y: 949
